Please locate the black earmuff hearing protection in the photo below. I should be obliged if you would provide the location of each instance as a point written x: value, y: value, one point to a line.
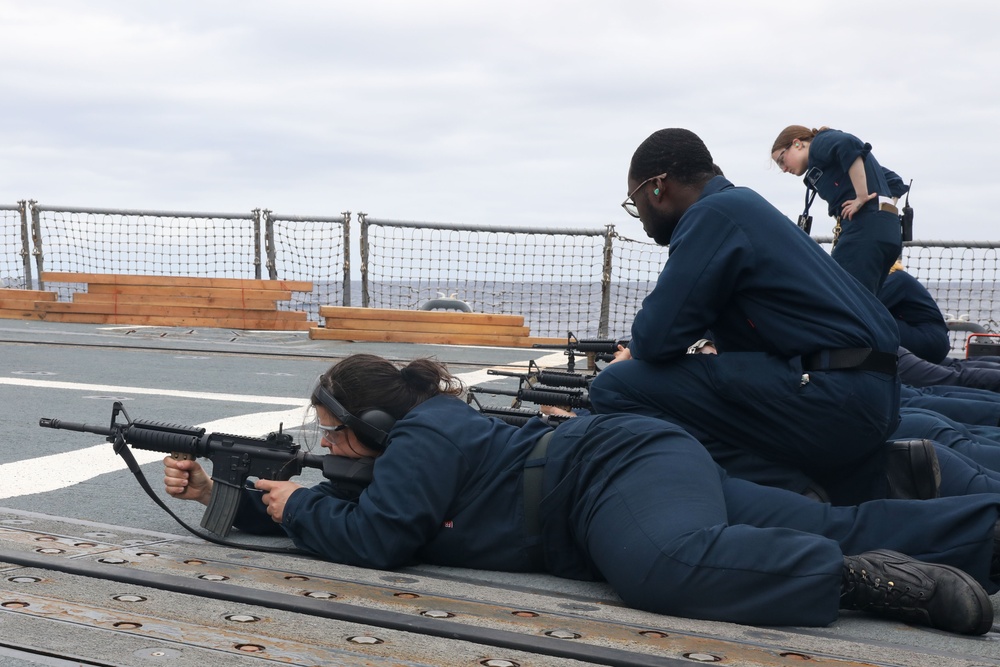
x: 371, y: 426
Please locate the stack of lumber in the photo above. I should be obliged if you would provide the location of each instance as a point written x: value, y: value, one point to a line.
x: 19, y: 304
x: 424, y: 326
x: 231, y: 303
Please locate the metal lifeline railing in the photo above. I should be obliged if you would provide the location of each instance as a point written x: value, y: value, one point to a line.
x: 587, y: 281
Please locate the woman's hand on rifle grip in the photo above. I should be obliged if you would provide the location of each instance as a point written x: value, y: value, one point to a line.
x: 186, y: 479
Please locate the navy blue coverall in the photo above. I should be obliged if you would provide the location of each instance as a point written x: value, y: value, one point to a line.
x: 629, y: 499
x: 871, y: 242
x: 967, y: 405
x: 922, y: 329
x: 769, y: 294
x: 973, y: 373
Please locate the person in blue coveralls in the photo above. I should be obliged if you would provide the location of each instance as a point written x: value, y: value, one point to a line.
x: 841, y: 169
x: 806, y: 375
x: 623, y: 498
x: 922, y: 329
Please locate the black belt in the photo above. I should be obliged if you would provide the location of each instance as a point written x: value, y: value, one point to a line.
x: 851, y: 358
x: 533, y: 477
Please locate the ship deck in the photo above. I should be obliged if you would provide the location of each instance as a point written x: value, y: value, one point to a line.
x: 93, y: 573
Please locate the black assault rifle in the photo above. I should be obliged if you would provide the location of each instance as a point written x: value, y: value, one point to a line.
x: 235, y: 458
x: 536, y: 376
x: 601, y: 349
x: 571, y: 398
x: 514, y: 416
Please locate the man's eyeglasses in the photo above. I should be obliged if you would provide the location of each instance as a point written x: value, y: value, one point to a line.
x: 629, y: 205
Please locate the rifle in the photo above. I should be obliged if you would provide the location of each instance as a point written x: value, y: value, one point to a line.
x: 573, y: 398
x: 514, y: 416
x: 601, y: 349
x: 234, y: 458
x: 537, y: 376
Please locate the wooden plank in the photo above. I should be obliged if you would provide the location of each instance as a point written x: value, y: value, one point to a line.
x: 318, y: 333
x: 400, y: 315
x: 192, y: 292
x: 19, y: 314
x: 27, y: 295
x: 20, y: 304
x: 183, y: 301
x: 208, y: 323
x: 167, y: 311
x: 485, y: 328
x: 546, y: 341
x: 177, y: 281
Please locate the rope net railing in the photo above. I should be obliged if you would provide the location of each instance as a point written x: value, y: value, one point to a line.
x: 551, y: 277
x: 13, y: 246
x: 634, y: 270
x: 590, y: 282
x: 310, y: 248
x: 133, y: 242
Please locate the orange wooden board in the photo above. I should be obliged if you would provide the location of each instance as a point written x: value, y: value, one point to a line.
x: 444, y: 316
x: 177, y: 281
x: 318, y: 333
x: 182, y: 301
x: 26, y: 295
x: 191, y: 292
x: 426, y: 327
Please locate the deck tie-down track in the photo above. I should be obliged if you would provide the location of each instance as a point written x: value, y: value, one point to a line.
x: 183, y: 602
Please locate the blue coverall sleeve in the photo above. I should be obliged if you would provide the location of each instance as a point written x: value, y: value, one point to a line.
x: 836, y: 148
x: 413, y: 486
x: 708, y: 254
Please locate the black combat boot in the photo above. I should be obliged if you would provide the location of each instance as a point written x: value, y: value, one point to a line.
x: 913, y: 469
x: 891, y: 584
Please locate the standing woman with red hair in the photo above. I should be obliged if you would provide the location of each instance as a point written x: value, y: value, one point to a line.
x: 841, y: 169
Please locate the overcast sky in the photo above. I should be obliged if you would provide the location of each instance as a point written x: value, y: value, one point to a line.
x: 504, y: 113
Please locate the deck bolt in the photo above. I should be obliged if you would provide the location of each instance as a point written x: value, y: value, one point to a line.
x: 702, y: 657
x: 795, y: 656
x: 654, y: 634
x: 50, y: 551
x: 406, y: 596
x: 147, y: 554
x: 84, y: 544
x: 435, y: 613
x: 14, y: 604
x: 24, y: 580
x: 128, y: 625
x: 496, y: 662
x: 296, y: 577
x: 319, y: 595
x: 364, y: 639
x: 45, y: 538
x: 525, y: 614
x: 112, y: 561
x: 242, y: 618
x: 194, y: 561
x: 129, y: 598
x: 213, y: 577
x: 563, y: 634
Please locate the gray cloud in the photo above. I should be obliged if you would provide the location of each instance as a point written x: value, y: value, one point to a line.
x: 520, y: 113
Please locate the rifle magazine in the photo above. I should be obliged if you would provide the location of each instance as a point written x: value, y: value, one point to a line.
x: 222, y: 507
